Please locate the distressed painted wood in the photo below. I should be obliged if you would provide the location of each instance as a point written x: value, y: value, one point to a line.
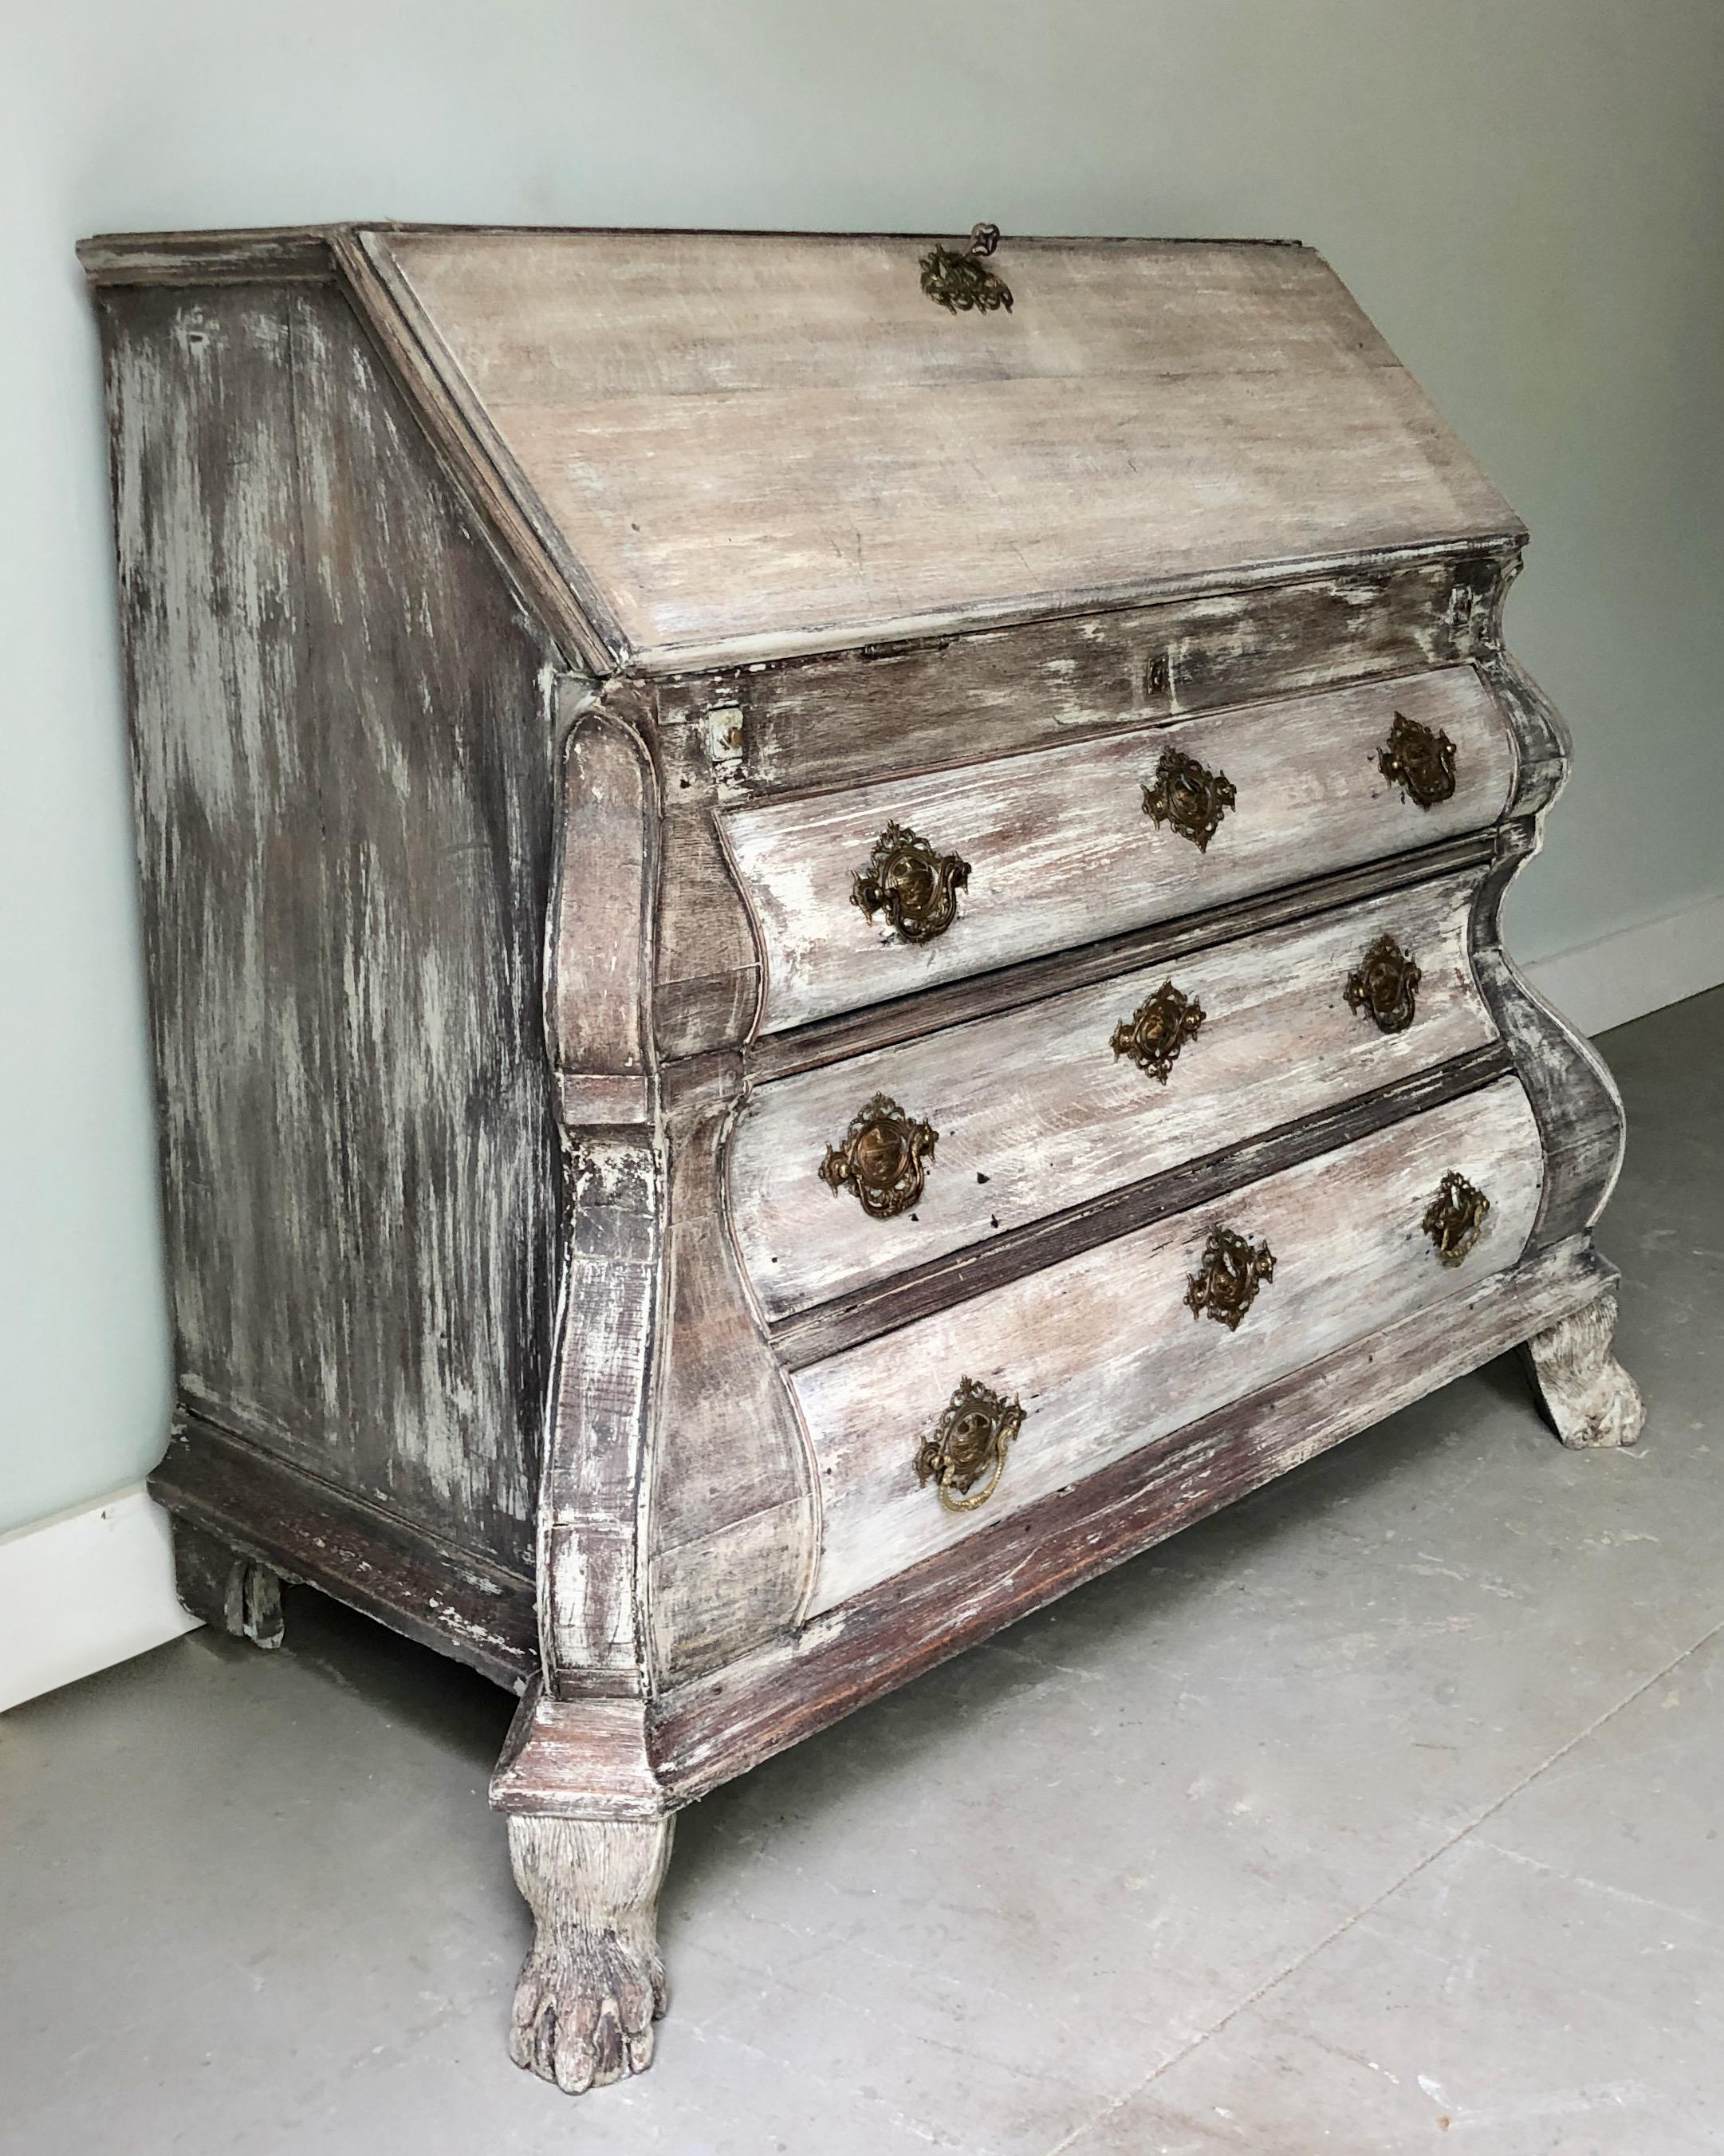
x: 593, y: 1984
x: 829, y: 1328
x: 836, y: 720
x: 1036, y: 1113
x: 344, y: 901
x: 1060, y: 849
x: 707, y: 1732
x: 733, y: 1528
x: 229, y: 1590
x: 527, y: 636
x: 871, y: 464
x: 1162, y: 943
x: 1104, y: 1356
x: 1589, y: 1397
x: 597, y: 1012
x: 442, y: 1592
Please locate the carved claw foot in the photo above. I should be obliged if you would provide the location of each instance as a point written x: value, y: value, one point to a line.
x: 594, y: 1986
x: 230, y: 1592
x: 1589, y: 1396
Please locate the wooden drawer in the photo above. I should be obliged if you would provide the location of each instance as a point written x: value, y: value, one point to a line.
x: 1103, y: 1356
x: 1035, y: 1112
x: 1061, y: 851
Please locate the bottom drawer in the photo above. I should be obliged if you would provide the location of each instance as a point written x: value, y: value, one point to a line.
x: 1104, y: 1352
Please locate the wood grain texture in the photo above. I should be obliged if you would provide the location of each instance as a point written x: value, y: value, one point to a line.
x: 902, y: 1298
x: 478, y: 458
x: 598, y: 974
x: 1036, y: 1113
x: 1103, y: 1355
x: 1581, y: 1122
x: 1162, y: 943
x: 1061, y: 851
x: 441, y: 1592
x: 263, y: 256
x: 868, y: 466
x: 344, y: 834
x: 581, y: 1758
x: 1588, y: 1397
x: 706, y: 996
x: 593, y: 1983
x: 844, y: 719
x: 732, y: 1518
x: 707, y: 1732
x: 598, y: 978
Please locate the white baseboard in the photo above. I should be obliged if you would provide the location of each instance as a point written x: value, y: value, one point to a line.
x: 84, y: 1589
x: 1636, y: 970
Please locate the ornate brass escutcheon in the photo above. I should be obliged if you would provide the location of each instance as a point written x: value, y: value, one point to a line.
x: 960, y: 280
x: 1225, y: 1286
x: 882, y: 1158
x: 915, y: 888
x: 1157, y: 1029
x: 969, y: 1444
x: 1454, y: 1219
x: 1384, y: 985
x: 1420, y: 763
x: 1189, y: 796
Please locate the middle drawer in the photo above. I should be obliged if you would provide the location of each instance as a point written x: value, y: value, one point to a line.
x: 845, y: 1176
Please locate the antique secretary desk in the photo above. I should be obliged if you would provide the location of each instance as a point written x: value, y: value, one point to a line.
x: 822, y: 917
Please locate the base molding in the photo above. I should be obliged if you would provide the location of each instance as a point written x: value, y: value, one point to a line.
x: 306, y: 1529
x: 86, y: 1590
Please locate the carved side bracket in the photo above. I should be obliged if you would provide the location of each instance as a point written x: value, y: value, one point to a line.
x: 733, y: 1531
x: 598, y: 989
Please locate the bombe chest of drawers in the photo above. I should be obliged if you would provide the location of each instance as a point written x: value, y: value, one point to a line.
x: 822, y: 917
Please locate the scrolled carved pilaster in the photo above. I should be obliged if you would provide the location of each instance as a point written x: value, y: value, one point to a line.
x: 1574, y: 1098
x: 734, y: 1526
x: 598, y: 1013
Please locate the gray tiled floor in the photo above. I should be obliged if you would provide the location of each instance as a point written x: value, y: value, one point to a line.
x: 1383, y: 1808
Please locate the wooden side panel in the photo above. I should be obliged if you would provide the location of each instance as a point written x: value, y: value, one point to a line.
x: 1036, y: 1113
x: 343, y: 763
x: 1103, y: 1356
x: 1061, y: 851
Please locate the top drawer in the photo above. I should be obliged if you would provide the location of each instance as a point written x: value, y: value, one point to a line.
x: 1062, y: 846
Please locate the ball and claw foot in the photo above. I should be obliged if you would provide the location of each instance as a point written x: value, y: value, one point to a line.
x: 593, y: 1985
x: 1588, y: 1395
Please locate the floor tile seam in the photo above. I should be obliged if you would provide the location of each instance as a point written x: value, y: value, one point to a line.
x: 1647, y: 1901
x: 1339, y: 1931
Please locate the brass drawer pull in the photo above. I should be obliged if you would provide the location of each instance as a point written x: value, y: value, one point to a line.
x: 882, y: 1158
x: 1225, y: 1286
x: 1420, y: 763
x: 1189, y: 796
x: 1454, y: 1219
x: 915, y: 888
x: 1384, y: 985
x: 969, y: 1442
x: 1157, y: 1029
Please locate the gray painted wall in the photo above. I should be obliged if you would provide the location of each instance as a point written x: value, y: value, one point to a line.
x: 1526, y: 196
